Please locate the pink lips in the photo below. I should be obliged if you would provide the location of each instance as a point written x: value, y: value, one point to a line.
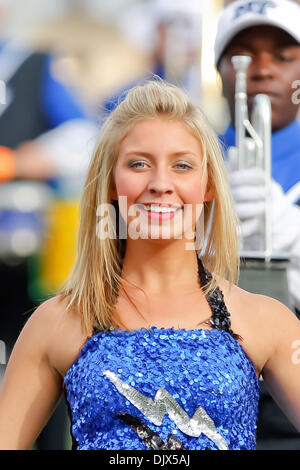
x: 161, y: 204
x: 160, y: 216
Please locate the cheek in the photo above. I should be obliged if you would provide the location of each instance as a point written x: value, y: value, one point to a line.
x: 288, y: 84
x: 127, y: 184
x: 285, y: 105
x: 294, y: 71
x: 194, y: 191
x: 227, y: 74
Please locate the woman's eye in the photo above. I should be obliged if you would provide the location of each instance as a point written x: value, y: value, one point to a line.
x: 184, y: 166
x: 137, y: 165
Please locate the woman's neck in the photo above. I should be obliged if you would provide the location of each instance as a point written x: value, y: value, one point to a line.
x: 160, y: 268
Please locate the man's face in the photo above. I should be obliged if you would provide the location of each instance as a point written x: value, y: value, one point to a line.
x: 274, y: 67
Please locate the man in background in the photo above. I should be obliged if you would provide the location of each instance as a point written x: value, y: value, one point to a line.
x: 268, y: 32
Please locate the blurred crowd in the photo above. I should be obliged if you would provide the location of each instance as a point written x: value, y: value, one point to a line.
x: 64, y: 71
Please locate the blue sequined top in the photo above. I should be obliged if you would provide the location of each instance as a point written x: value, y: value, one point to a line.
x: 163, y: 389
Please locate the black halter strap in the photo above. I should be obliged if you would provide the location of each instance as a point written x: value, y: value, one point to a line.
x: 220, y: 318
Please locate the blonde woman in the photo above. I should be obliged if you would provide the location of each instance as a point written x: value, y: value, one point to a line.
x: 140, y: 339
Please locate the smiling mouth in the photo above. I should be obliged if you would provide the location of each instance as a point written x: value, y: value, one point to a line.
x: 159, y: 212
x: 159, y: 208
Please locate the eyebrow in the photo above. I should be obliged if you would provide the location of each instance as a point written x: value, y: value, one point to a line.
x: 291, y: 43
x: 282, y: 44
x: 149, y: 155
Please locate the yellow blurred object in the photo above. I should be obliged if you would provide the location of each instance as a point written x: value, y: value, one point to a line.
x: 58, y: 253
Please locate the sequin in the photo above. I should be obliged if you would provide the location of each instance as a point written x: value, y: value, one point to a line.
x: 229, y: 396
x: 163, y: 403
x: 202, y: 370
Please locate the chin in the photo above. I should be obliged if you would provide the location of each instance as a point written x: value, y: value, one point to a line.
x: 278, y: 125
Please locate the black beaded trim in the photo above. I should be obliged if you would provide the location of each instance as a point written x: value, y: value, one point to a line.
x: 220, y: 318
x: 151, y: 438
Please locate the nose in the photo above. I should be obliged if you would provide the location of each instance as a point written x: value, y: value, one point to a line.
x: 160, y: 181
x: 262, y: 66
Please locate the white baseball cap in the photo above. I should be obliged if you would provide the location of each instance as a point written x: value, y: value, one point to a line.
x: 242, y: 14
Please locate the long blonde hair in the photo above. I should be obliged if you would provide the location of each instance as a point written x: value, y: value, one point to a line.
x: 92, y: 286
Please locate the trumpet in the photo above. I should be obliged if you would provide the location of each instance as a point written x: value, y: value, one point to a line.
x: 254, y: 149
x: 261, y: 271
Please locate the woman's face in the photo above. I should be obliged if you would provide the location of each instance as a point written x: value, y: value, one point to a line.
x: 159, y: 170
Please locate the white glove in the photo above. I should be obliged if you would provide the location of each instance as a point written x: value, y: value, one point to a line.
x: 248, y: 190
x: 285, y: 222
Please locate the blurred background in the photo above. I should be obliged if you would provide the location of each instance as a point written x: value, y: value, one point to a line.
x: 63, y: 66
x: 64, y: 63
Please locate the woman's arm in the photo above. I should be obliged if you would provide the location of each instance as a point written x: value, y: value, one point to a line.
x: 31, y: 386
x: 281, y: 372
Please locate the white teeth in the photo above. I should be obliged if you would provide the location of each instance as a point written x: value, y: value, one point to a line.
x: 161, y: 209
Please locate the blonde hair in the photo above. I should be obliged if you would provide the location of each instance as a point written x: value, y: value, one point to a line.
x: 94, y: 282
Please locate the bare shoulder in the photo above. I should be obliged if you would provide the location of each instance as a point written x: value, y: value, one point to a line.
x: 260, y: 320
x: 62, y: 327
x: 53, y: 312
x: 32, y: 383
x: 51, y: 316
x: 260, y: 309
